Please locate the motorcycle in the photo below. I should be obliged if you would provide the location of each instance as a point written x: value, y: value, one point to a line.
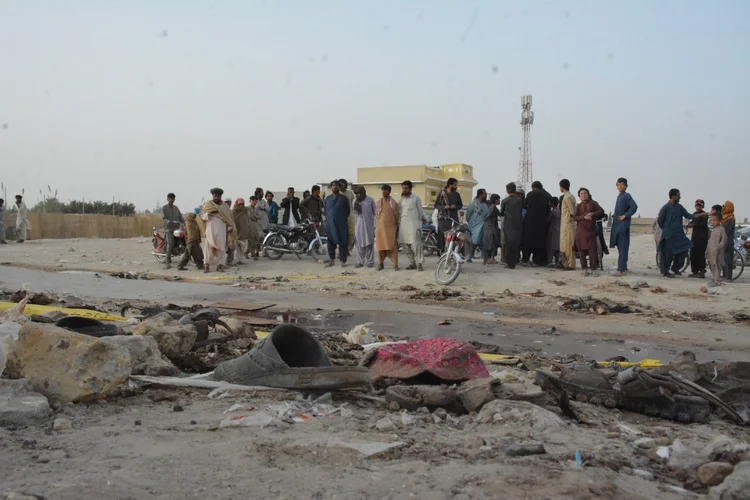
x: 429, y: 241
x: 449, y: 264
x: 304, y: 238
x: 160, y: 244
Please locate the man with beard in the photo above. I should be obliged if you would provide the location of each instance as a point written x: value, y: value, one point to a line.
x: 219, y: 228
x: 313, y: 205
x: 410, y: 226
x: 674, y: 245
x: 567, y: 226
x: 337, y: 210
x: 535, y: 225
x: 448, y: 204
x: 511, y: 209
x: 386, y: 228
x: 241, y: 221
x: 364, y: 227
x: 290, y: 204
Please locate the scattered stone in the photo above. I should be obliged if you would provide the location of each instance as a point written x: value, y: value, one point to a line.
x: 393, y: 406
x: 193, y: 422
x: 645, y: 443
x: 20, y: 405
x: 408, y: 288
x: 178, y: 408
x: 137, y: 422
x: 174, y: 340
x: 525, y: 449
x: 440, y: 413
x: 385, y: 425
x: 658, y: 289
x: 240, y: 329
x: 682, y: 458
x: 145, y: 355
x: 62, y: 424
x: 735, y: 486
x: 644, y: 474
x: 66, y: 366
x: 534, y: 419
x: 725, y: 448
x: 413, y: 397
x: 475, y: 393
x: 55, y: 455
x: 407, y: 419
x: 713, y: 473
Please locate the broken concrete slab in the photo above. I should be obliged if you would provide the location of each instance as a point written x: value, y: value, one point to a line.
x: 66, y: 366
x: 537, y: 419
x: 175, y: 340
x: 240, y: 329
x: 366, y: 448
x: 20, y: 405
x: 145, y: 355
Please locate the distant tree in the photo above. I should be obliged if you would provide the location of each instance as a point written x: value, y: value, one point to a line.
x: 53, y: 205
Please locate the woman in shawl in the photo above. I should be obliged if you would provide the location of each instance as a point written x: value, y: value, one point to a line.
x: 728, y: 221
x: 491, y: 232
x: 475, y: 216
x: 586, y: 215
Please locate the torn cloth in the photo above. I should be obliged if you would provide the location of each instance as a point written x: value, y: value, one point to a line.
x: 445, y: 358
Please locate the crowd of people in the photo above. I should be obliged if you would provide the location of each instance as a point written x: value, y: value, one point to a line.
x: 530, y: 229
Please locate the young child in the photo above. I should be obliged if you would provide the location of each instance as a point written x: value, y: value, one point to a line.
x: 553, y: 234
x: 715, y: 251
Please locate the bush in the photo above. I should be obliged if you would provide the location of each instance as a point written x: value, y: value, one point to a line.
x: 55, y: 206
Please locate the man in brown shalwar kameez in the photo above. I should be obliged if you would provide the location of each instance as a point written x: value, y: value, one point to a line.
x: 567, y: 226
x: 587, y: 213
x: 386, y: 228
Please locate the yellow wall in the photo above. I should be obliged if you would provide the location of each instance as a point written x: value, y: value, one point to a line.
x: 427, y: 180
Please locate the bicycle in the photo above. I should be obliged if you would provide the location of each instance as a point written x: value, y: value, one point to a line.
x: 741, y: 249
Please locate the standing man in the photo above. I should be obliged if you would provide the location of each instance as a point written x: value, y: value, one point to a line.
x: 699, y: 237
x: 447, y: 204
x: 349, y: 196
x: 475, y: 216
x: 219, y: 231
x: 172, y: 219
x: 728, y: 222
x: 587, y: 213
x: 364, y: 228
x: 242, y: 222
x: 22, y: 219
x: 491, y: 234
x: 273, y: 209
x: 511, y: 209
x: 535, y: 225
x: 674, y: 244
x: 337, y: 225
x: 192, y: 242
x: 254, y: 216
x: 567, y: 227
x: 290, y: 204
x: 410, y: 227
x: 625, y: 208
x: 386, y: 231
x: 2, y: 222
x: 313, y: 205
x: 262, y: 207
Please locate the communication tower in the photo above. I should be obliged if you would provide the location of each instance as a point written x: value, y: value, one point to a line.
x: 525, y: 174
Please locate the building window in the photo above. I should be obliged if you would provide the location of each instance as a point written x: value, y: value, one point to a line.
x: 466, y: 171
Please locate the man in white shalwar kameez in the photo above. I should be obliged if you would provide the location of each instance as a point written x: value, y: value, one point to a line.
x: 22, y: 220
x: 410, y: 227
x: 220, y: 232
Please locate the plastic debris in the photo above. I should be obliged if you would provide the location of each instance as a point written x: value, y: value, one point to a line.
x: 579, y: 460
x: 260, y: 419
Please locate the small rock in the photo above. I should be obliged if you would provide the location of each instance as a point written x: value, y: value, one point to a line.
x: 407, y: 419
x: 62, y: 424
x: 713, y: 473
x: 441, y: 413
x: 174, y: 340
x: 177, y: 408
x: 137, y: 422
x: 644, y: 474
x: 145, y: 355
x: 475, y: 393
x: 436, y: 419
x: 393, y: 406
x: 525, y: 449
x: 645, y: 443
x: 20, y: 405
x: 407, y: 288
x: 724, y: 447
x: 735, y: 486
x: 193, y: 422
x: 385, y: 425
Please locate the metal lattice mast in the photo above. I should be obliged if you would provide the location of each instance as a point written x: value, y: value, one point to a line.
x: 525, y: 174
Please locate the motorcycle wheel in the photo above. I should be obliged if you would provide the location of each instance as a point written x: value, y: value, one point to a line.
x: 738, y: 265
x: 430, y: 244
x: 318, y: 249
x: 447, y: 269
x: 274, y: 240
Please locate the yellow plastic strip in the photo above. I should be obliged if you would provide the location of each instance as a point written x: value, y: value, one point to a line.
x: 83, y: 313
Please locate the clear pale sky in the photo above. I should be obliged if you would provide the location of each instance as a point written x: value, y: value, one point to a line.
x: 133, y: 99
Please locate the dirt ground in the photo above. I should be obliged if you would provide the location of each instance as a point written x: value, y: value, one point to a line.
x: 164, y: 443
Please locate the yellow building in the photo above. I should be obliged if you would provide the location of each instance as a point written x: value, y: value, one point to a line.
x: 428, y: 181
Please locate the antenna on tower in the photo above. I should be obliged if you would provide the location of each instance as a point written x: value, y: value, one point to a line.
x: 525, y: 174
